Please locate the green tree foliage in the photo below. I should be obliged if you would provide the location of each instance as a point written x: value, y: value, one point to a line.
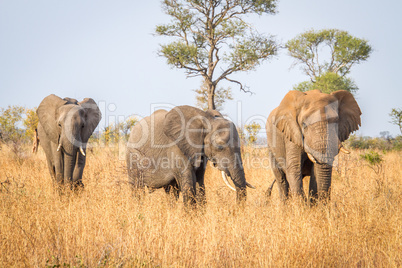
x: 12, y: 131
x: 125, y: 127
x: 109, y: 135
x: 212, y: 40
x: 31, y: 122
x: 10, y: 124
x: 327, y: 83
x: 372, y: 157
x: 221, y: 96
x: 113, y: 133
x: 327, y: 56
x: 374, y: 160
x: 396, y: 117
x: 252, y: 132
x: 385, y: 143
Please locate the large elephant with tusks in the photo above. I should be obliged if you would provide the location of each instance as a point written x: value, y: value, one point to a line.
x: 64, y: 128
x: 170, y: 150
x: 305, y: 133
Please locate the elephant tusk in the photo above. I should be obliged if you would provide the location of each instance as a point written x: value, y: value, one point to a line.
x: 250, y: 186
x: 225, y: 179
x: 58, y: 148
x: 82, y: 151
x: 343, y: 150
x: 311, y: 157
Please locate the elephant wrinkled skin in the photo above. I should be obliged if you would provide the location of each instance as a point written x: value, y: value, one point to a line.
x: 170, y: 150
x: 64, y: 128
x: 304, y: 134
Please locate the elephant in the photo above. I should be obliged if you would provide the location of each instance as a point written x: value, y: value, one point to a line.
x: 304, y: 134
x: 64, y: 128
x: 170, y: 150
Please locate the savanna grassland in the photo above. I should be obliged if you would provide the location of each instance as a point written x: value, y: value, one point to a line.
x: 105, y: 226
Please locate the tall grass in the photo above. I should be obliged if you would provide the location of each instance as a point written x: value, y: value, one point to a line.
x: 104, y: 225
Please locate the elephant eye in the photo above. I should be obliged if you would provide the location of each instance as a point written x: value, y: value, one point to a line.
x: 82, y: 126
x: 219, y: 147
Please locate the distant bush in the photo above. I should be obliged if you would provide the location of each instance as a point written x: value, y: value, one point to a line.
x: 372, y: 157
x: 252, y: 130
x: 114, y: 133
x: 17, y: 124
x: 383, y: 143
x: 17, y: 128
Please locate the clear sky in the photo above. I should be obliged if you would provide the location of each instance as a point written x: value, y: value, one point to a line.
x: 106, y: 50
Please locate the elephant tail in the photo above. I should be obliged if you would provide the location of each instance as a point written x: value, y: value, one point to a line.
x: 268, y: 193
x: 35, y: 142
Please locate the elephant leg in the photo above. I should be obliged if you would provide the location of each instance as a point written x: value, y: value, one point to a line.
x: 294, y: 169
x: 280, y: 178
x: 136, y: 180
x: 312, y: 191
x: 136, y: 174
x: 78, y: 171
x: 188, y: 187
x: 296, y: 185
x: 52, y: 169
x: 200, y: 187
x: 59, y: 168
x: 283, y: 185
x: 173, y: 189
x: 200, y: 191
x: 51, y: 159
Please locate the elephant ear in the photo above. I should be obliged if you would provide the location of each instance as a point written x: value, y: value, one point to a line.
x: 187, y: 127
x: 71, y: 100
x: 47, y: 114
x: 349, y: 114
x: 284, y: 117
x: 92, y: 118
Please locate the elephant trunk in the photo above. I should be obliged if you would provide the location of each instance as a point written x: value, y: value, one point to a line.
x: 70, y: 159
x: 239, y: 180
x: 71, y: 147
x: 323, y: 174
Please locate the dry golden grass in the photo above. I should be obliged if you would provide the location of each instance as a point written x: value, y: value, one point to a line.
x: 105, y: 226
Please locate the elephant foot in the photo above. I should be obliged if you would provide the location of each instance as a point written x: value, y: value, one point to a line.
x: 201, y: 201
x: 76, y: 186
x: 138, y: 193
x: 190, y: 203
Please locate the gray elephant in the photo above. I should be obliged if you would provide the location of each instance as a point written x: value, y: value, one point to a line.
x: 170, y: 150
x: 304, y: 134
x: 64, y: 128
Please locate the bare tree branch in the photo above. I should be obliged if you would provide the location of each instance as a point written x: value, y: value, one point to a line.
x: 243, y: 88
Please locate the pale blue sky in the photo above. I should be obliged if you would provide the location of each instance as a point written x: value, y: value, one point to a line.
x: 106, y: 50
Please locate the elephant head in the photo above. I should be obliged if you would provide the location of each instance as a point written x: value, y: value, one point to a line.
x: 69, y: 124
x: 207, y: 134
x: 318, y: 123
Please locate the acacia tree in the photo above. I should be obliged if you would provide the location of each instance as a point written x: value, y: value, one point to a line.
x: 213, y: 41
x: 327, y: 71
x: 221, y: 96
x: 396, y: 117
